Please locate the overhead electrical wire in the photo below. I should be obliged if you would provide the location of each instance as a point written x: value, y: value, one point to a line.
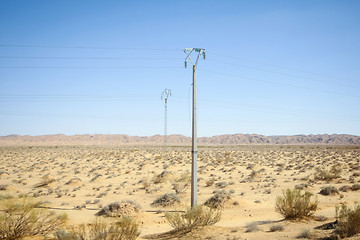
x: 284, y: 67
x: 92, y: 58
x: 88, y: 47
x: 86, y: 67
x: 278, y: 83
x: 285, y: 74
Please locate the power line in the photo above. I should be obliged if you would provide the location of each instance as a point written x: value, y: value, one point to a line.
x: 82, y: 58
x: 278, y: 83
x: 87, y: 47
x: 84, y: 67
x: 286, y: 74
x: 289, y: 68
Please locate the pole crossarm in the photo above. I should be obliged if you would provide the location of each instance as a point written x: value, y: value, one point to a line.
x: 188, y: 51
x: 166, y: 94
x: 194, y: 152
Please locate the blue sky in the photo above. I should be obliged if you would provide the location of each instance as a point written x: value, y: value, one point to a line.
x: 272, y: 67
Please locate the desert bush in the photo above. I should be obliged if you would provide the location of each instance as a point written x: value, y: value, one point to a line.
x: 295, y: 205
x: 146, y: 184
x: 166, y: 200
x: 210, y: 182
x: 46, y: 180
x: 125, y: 229
x: 252, y: 227
x: 329, y: 190
x: 328, y: 174
x: 305, y: 233
x: 344, y: 188
x: 195, y: 217
x: 119, y: 209
x: 161, y: 177
x: 182, y: 183
x: 348, y: 220
x: 20, y: 217
x: 218, y: 200
x: 276, y: 228
x: 355, y: 187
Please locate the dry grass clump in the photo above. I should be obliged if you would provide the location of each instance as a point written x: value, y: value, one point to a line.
x: 193, y: 218
x: 120, y: 209
x: 182, y: 183
x: 348, y: 220
x: 329, y: 190
x: 218, y: 200
x: 328, y: 174
x: 125, y: 229
x: 161, y: 177
x: 306, y: 233
x: 4, y: 187
x: 166, y: 200
x: 296, y: 205
x: 355, y: 187
x: 277, y: 228
x: 20, y: 217
x: 46, y: 180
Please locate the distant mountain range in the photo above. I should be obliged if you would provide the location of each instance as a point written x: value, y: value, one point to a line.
x: 229, y: 139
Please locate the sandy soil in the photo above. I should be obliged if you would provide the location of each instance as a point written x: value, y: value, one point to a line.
x: 80, y: 180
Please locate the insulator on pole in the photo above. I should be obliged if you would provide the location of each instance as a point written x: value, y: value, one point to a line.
x: 185, y: 64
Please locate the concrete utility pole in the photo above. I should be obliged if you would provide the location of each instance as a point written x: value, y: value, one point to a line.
x: 165, y: 95
x: 194, y: 151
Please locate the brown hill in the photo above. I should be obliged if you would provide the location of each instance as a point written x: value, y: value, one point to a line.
x: 234, y: 139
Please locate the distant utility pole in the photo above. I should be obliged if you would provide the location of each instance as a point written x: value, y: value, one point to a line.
x: 194, y: 151
x: 165, y: 95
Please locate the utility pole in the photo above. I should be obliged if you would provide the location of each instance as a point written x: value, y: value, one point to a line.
x: 165, y: 95
x: 194, y: 151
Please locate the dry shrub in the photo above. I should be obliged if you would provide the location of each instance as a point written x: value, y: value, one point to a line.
x: 348, y: 220
x: 329, y: 190
x: 182, y: 183
x: 276, y: 228
x: 120, y: 209
x: 125, y: 229
x: 20, y: 217
x: 296, y: 205
x: 306, y: 233
x: 166, y: 200
x: 46, y: 180
x: 218, y: 200
x: 193, y: 218
x: 161, y: 178
x: 328, y: 174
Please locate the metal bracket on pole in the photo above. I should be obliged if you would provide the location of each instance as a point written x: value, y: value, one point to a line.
x: 194, y: 151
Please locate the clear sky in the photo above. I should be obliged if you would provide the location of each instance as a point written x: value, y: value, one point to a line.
x: 272, y: 67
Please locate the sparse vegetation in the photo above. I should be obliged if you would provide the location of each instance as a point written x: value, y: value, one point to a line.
x: 195, y: 217
x: 218, y: 200
x: 182, y: 183
x: 296, y: 205
x: 46, y: 180
x: 166, y: 200
x: 329, y: 190
x: 276, y: 228
x: 305, y: 233
x: 348, y: 220
x: 125, y: 229
x: 20, y: 217
x: 328, y: 174
x: 119, y: 209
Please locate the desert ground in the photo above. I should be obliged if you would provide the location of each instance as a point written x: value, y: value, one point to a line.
x: 81, y: 180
